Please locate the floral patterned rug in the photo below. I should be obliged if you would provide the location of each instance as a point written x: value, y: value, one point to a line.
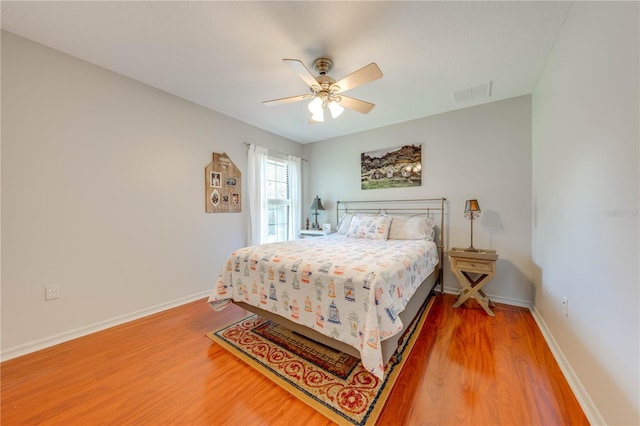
x: 333, y: 383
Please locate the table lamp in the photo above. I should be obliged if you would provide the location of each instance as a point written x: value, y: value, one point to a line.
x: 472, y: 211
x: 316, y: 205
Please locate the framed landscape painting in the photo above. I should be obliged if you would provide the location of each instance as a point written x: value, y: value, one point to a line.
x: 391, y: 168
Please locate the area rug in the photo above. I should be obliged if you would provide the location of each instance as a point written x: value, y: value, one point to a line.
x: 333, y: 383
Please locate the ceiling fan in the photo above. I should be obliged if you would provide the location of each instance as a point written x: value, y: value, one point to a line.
x: 327, y: 92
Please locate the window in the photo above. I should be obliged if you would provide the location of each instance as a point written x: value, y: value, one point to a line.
x: 273, y: 188
x: 278, y: 200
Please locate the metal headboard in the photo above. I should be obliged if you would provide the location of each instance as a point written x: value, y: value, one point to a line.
x: 430, y: 206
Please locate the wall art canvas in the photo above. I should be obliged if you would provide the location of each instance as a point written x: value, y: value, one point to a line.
x: 396, y: 167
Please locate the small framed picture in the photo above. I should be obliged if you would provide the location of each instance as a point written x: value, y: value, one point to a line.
x: 215, y: 179
x: 326, y: 227
x: 215, y: 197
x: 225, y: 199
x: 235, y: 199
x: 231, y: 181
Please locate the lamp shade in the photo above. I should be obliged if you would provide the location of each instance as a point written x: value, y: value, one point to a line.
x: 472, y: 206
x: 315, y: 106
x: 317, y: 117
x: 335, y: 109
x: 316, y: 204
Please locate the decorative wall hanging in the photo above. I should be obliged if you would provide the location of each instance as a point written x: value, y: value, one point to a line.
x: 391, y: 168
x: 222, y: 185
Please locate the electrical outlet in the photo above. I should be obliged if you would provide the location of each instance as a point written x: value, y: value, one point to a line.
x: 565, y: 306
x: 51, y: 292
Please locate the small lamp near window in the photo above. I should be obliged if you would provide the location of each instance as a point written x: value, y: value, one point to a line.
x: 316, y: 205
x: 471, y: 212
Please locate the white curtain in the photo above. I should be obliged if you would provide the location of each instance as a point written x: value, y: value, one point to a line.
x: 295, y: 180
x: 257, y: 188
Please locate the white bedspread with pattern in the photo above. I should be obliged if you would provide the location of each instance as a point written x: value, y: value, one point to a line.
x: 350, y: 289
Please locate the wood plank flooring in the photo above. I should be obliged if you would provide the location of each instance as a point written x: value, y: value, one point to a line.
x: 467, y: 368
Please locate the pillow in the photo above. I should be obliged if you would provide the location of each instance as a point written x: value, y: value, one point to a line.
x: 343, y: 225
x: 345, y: 222
x: 369, y: 227
x: 414, y: 227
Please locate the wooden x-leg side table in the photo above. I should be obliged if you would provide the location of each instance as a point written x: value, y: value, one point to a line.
x: 482, y: 264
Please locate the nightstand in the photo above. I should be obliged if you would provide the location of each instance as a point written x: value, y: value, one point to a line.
x: 465, y: 265
x: 304, y: 233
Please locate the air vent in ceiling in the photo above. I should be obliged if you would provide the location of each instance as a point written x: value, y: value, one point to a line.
x: 474, y: 93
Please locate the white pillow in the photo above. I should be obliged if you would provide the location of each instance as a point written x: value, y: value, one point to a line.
x: 414, y: 227
x: 369, y: 227
x: 345, y: 222
x: 343, y: 225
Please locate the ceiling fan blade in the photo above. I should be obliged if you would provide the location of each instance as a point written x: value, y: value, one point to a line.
x: 356, y: 104
x: 286, y: 100
x: 302, y: 71
x: 364, y: 75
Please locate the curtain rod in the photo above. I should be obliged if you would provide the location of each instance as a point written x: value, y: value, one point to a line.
x: 277, y: 152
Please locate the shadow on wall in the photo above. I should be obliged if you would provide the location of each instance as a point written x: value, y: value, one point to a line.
x: 536, y: 278
x: 514, y: 282
x: 490, y: 220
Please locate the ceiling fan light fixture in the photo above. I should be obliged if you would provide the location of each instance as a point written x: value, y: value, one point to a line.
x: 316, y: 106
x: 326, y: 91
x: 335, y: 108
x: 317, y: 117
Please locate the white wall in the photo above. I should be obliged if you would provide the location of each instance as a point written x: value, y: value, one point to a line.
x: 102, y: 194
x: 481, y: 152
x: 586, y: 205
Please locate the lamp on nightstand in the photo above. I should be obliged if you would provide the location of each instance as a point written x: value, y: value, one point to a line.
x: 472, y: 211
x: 316, y: 205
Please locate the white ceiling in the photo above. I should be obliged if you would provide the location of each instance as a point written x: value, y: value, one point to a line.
x: 227, y: 56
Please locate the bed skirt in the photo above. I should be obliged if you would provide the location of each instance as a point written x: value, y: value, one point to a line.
x: 388, y: 345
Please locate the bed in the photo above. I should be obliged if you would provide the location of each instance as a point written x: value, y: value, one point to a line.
x: 355, y: 290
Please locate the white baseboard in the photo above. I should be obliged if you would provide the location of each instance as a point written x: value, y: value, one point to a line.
x: 589, y: 408
x: 92, y: 328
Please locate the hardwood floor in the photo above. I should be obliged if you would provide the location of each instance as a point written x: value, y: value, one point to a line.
x: 467, y: 368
